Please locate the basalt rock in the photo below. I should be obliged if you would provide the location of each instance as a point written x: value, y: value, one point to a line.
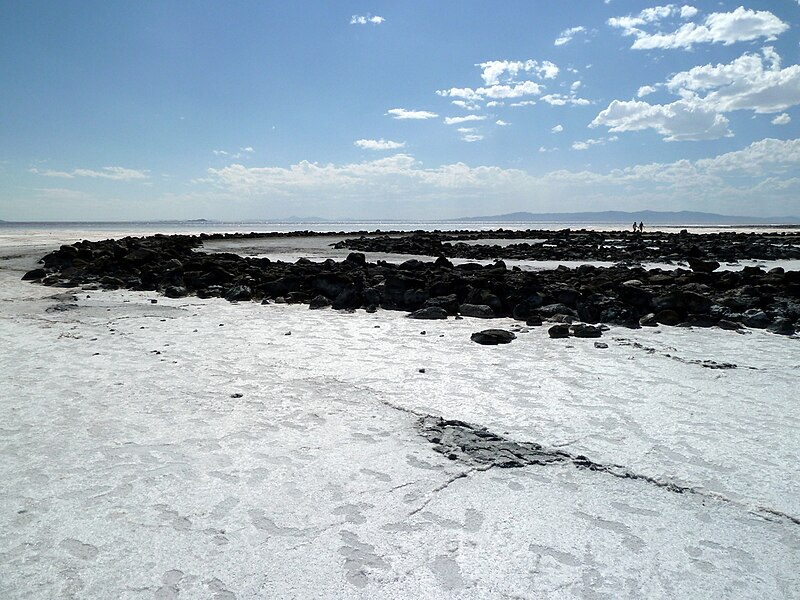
x: 624, y: 295
x: 492, y: 337
x: 429, y: 313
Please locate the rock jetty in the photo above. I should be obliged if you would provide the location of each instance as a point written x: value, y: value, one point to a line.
x: 630, y: 296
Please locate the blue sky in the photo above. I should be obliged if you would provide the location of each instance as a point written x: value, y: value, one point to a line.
x: 397, y: 110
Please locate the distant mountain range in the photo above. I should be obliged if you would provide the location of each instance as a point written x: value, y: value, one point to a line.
x: 646, y: 216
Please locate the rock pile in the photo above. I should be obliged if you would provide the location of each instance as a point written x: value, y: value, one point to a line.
x: 621, y: 295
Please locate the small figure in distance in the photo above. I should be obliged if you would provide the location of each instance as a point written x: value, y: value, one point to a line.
x: 641, y: 227
x: 634, y: 227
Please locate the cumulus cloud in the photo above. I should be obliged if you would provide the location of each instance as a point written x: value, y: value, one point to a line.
x: 563, y: 100
x: 735, y: 182
x: 751, y: 82
x: 566, y: 36
x: 517, y: 90
x: 502, y: 123
x: 402, y: 113
x: 782, y: 119
x: 645, y: 90
x: 114, y: 173
x: 557, y: 129
x: 740, y: 25
x: 379, y: 144
x: 679, y: 121
x: 464, y: 119
x: 495, y: 71
x: 365, y: 19
x: 586, y: 144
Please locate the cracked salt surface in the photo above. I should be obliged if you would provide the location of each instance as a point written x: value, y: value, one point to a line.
x: 130, y: 471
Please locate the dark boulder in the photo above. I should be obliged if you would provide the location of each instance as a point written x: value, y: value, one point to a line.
x: 34, y: 274
x: 667, y: 317
x: 781, y: 326
x: 239, y: 292
x: 449, y: 303
x: 480, y: 311
x: 357, y: 258
x: 582, y: 330
x: 175, y: 291
x: 492, y: 337
x: 702, y: 266
x: 559, y: 331
x: 430, y: 312
x: 757, y: 319
x: 349, y: 297
x: 319, y: 301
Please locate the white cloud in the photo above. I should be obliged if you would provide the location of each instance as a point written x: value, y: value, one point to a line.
x: 758, y: 179
x: 567, y: 35
x: 557, y: 129
x: 464, y: 119
x: 679, y: 121
x: 586, y: 144
x: 782, y: 119
x: 751, y: 82
x: 562, y: 100
x: 747, y: 83
x: 364, y: 19
x: 248, y: 149
x: 517, y: 90
x: 741, y: 25
x: 523, y: 103
x: 575, y: 85
x: 501, y: 123
x: 645, y: 90
x: 466, y: 105
x: 472, y: 137
x: 114, y: 173
x: 402, y: 113
x: 495, y: 71
x: 220, y: 153
x: 379, y: 144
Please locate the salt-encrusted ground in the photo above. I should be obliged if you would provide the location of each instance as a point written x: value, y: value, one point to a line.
x: 129, y: 470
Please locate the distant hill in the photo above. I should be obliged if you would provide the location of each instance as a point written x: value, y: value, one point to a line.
x: 647, y: 216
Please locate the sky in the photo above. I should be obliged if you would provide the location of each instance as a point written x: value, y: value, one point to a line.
x: 265, y: 110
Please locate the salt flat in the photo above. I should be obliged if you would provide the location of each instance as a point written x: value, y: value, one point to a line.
x: 202, y: 449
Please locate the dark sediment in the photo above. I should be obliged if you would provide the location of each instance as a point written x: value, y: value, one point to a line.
x: 621, y: 295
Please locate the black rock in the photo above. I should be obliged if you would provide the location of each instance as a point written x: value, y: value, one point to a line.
x: 175, y: 291
x: 481, y: 311
x: 582, y: 330
x: 34, y: 274
x: 702, y: 266
x: 757, y: 319
x: 430, y: 312
x: 781, y: 326
x: 239, y: 292
x: 559, y: 331
x: 492, y: 337
x: 319, y: 301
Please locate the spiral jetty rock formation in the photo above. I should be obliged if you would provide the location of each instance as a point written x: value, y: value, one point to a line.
x: 626, y: 295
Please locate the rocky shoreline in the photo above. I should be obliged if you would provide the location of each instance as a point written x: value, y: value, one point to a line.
x: 584, y: 244
x: 625, y: 295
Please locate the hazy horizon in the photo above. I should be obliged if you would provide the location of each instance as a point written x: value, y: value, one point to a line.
x: 384, y: 111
